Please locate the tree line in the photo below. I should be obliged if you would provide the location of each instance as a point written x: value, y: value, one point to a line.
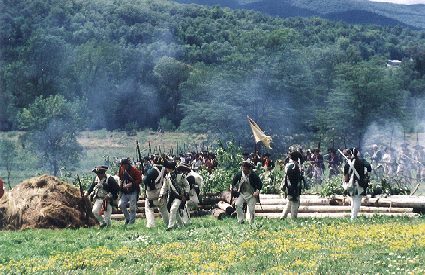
x: 162, y: 65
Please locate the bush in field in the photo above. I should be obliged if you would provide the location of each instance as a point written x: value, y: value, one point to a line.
x: 332, y: 186
x: 388, y: 186
x: 219, y: 180
x: 272, y: 180
x: 229, y: 157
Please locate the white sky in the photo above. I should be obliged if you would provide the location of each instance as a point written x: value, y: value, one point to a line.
x: 403, y: 2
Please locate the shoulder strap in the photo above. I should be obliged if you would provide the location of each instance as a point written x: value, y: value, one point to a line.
x: 351, y: 163
x: 160, y: 174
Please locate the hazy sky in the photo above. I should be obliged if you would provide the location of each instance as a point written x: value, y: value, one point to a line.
x: 404, y: 2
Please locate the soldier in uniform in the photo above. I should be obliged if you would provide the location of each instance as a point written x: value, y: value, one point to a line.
x: 195, y: 182
x: 292, y: 185
x: 404, y: 162
x: 333, y: 162
x: 177, y: 187
x: 356, y: 179
x: 197, y: 163
x: 147, y: 164
x: 376, y: 159
x: 376, y: 155
x: 103, y: 191
x: 246, y: 186
x: 419, y: 158
x: 130, y: 179
x: 318, y: 166
x: 267, y: 162
x: 153, y: 181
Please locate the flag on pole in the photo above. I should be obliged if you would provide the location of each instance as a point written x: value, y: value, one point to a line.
x: 259, y: 134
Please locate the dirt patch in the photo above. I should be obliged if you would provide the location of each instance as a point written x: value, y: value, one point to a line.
x: 44, y: 202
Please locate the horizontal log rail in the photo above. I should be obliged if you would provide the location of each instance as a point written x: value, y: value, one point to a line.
x: 310, y: 206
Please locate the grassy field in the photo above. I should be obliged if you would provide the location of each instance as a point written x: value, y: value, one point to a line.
x: 375, y: 245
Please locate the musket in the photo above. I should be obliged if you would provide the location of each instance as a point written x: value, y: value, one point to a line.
x: 346, y: 158
x: 83, y: 200
x: 139, y: 154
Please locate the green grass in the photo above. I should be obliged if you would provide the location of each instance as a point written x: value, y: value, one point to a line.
x: 375, y: 245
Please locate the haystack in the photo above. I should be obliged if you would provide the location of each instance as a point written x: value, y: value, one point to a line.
x: 44, y: 202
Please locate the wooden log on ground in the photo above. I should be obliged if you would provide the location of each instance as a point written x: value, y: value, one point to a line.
x: 417, y: 203
x: 336, y: 215
x: 304, y: 201
x: 209, y: 200
x: 331, y: 209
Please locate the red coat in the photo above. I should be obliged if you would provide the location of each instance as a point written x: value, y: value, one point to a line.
x: 135, y: 175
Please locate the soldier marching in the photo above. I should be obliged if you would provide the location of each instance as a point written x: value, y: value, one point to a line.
x: 172, y: 183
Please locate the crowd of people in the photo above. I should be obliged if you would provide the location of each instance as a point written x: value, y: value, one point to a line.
x: 172, y: 184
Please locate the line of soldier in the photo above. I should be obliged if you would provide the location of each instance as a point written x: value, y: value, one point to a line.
x: 356, y: 171
x: 169, y: 186
x: 172, y: 185
x: 404, y: 163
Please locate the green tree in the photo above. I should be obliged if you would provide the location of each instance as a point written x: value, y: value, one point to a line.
x: 52, y: 124
x: 8, y: 156
x: 364, y: 93
x: 171, y: 73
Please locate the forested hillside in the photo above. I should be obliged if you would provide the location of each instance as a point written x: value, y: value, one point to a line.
x: 349, y: 11
x: 157, y: 64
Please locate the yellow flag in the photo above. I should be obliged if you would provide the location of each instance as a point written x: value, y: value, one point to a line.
x: 259, y: 134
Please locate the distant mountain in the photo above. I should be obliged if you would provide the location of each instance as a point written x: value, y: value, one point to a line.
x: 363, y: 17
x: 279, y: 8
x: 350, y: 11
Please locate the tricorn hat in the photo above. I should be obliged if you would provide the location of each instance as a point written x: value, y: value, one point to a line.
x: 125, y: 161
x: 247, y: 163
x: 100, y: 169
x: 170, y: 164
x: 183, y: 167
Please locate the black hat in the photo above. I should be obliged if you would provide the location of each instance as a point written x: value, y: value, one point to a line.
x: 170, y: 164
x: 100, y: 169
x: 125, y: 161
x: 247, y: 163
x: 183, y: 167
x: 295, y: 155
